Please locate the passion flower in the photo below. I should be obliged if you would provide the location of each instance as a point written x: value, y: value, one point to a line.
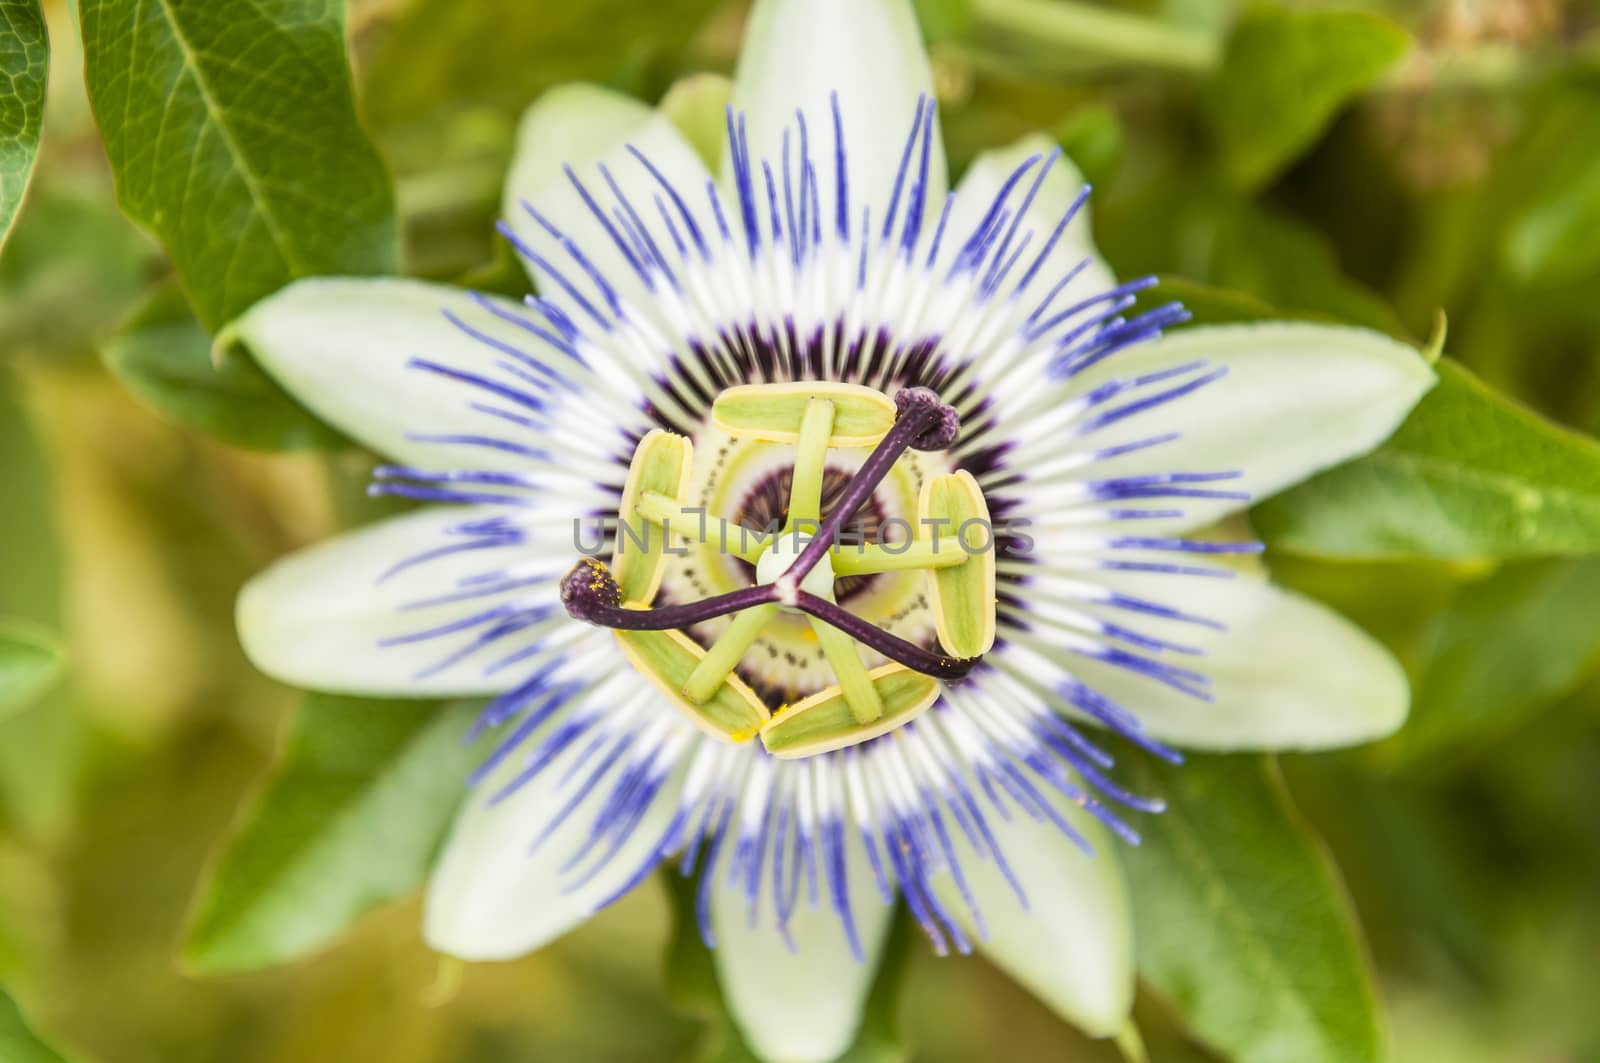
x: 801, y: 523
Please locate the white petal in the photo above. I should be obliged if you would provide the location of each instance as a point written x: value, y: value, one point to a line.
x: 797, y: 53
x: 584, y: 127
x: 1072, y: 947
x: 803, y: 1006
x: 491, y: 898
x: 1296, y: 399
x: 316, y: 618
x: 1062, y: 185
x: 341, y: 346
x: 1288, y: 673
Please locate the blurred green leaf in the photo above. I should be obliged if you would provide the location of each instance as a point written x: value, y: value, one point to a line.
x: 443, y: 83
x: 444, y: 55
x: 1555, y: 239
x: 40, y: 750
x: 691, y: 974
x: 29, y: 662
x: 1285, y: 74
x: 1470, y: 474
x: 1556, y: 202
x: 24, y: 68
x: 1421, y: 873
x: 30, y: 552
x: 1506, y: 251
x: 1093, y: 138
x: 942, y: 20
x: 1396, y: 602
x: 233, y: 135
x: 18, y: 1043
x: 448, y: 174
x: 72, y: 267
x: 1242, y: 922
x: 1190, y: 225
x: 1210, y: 305
x: 163, y: 356
x: 351, y: 819
x: 1508, y: 645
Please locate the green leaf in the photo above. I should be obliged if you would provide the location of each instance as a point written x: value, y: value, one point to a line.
x: 691, y: 975
x: 1508, y: 645
x: 40, y: 751
x: 1470, y: 474
x: 24, y: 69
x: 944, y: 20
x: 1192, y: 225
x: 1243, y: 925
x: 18, y: 1043
x: 1210, y: 305
x: 32, y: 568
x: 1556, y: 189
x: 1093, y: 138
x: 73, y: 266
x: 445, y: 55
x: 1284, y: 75
x: 29, y: 661
x: 163, y: 356
x: 233, y: 136
x: 351, y: 818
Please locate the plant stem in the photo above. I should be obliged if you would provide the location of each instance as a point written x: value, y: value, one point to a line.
x: 1059, y: 34
x: 1100, y: 32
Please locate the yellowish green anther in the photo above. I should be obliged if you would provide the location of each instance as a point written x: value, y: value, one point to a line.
x: 870, y: 558
x: 726, y: 652
x: 661, y: 464
x: 825, y: 722
x: 859, y: 693
x: 776, y: 412
x: 963, y: 596
x: 668, y: 658
x: 810, y: 459
x: 697, y: 526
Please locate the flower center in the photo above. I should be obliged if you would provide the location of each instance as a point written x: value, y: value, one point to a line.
x: 765, y: 504
x: 778, y: 558
x: 796, y: 566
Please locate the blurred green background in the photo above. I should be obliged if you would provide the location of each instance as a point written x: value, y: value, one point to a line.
x: 1463, y: 177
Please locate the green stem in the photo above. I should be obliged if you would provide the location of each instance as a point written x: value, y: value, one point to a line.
x: 1479, y: 68
x: 1046, y: 25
